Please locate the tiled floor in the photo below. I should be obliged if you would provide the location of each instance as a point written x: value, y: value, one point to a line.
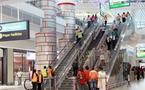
x: 11, y: 88
x: 138, y: 85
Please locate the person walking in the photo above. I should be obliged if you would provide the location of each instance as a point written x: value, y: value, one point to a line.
x: 81, y: 76
x: 40, y: 80
x: 44, y: 72
x: 89, y: 21
x: 105, y: 20
x: 75, y: 68
x: 102, y: 79
x: 34, y: 79
x: 118, y: 18
x: 93, y: 76
x: 19, y: 75
x: 123, y: 17
x: 51, y: 75
x: 87, y: 71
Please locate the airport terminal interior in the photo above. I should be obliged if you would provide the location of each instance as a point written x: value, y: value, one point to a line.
x: 72, y: 44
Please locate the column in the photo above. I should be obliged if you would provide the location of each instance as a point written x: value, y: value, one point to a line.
x: 68, y: 11
x: 46, y: 39
x: 8, y: 71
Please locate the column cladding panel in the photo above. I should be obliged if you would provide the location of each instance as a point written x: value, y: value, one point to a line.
x: 46, y: 39
x: 68, y: 10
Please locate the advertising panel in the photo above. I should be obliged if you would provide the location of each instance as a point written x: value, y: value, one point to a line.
x: 118, y: 3
x: 140, y: 52
x: 14, y: 31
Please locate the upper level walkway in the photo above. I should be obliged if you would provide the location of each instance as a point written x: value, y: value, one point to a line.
x: 138, y: 85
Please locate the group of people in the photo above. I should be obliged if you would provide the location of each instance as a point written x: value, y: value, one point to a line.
x: 91, y: 79
x: 38, y: 76
x: 91, y: 19
x: 138, y: 72
x: 123, y: 17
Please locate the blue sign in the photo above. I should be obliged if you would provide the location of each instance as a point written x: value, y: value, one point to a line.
x: 14, y: 31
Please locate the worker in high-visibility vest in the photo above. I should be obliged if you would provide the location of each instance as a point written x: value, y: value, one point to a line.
x: 34, y: 79
x: 40, y: 80
x: 44, y: 72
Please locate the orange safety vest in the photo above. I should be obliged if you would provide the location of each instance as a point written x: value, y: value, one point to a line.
x: 93, y: 75
x: 40, y: 78
x: 35, y: 77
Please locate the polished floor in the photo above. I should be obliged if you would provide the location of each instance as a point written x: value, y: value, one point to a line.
x: 138, y: 85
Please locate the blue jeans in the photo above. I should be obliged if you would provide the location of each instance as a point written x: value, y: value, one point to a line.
x: 93, y: 84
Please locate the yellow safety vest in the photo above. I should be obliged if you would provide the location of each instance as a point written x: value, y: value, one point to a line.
x: 34, y: 77
x: 44, y: 73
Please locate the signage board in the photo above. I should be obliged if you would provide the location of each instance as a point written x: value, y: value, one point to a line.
x: 11, y: 31
x: 118, y: 3
x: 140, y: 52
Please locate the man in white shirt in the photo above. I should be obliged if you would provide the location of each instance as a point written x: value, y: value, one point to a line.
x: 19, y: 75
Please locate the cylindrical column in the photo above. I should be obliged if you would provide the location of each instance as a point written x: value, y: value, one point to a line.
x: 46, y: 49
x: 68, y: 11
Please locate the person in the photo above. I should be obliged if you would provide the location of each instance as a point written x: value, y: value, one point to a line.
x: 115, y: 37
x: 40, y: 80
x: 80, y: 35
x: 50, y: 72
x: 87, y: 71
x: 108, y: 42
x: 105, y: 19
x: 96, y: 18
x: 82, y: 79
x: 75, y: 68
x: 142, y: 72
x: 19, y: 75
x: 138, y: 73
x: 34, y: 79
x: 93, y: 76
x: 102, y: 79
x: 123, y: 17
x: 77, y: 33
x: 118, y: 18
x: 44, y: 72
x: 89, y: 21
x: 51, y: 75
x: 114, y: 26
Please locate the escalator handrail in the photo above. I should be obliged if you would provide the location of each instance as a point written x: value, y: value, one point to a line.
x: 69, y: 65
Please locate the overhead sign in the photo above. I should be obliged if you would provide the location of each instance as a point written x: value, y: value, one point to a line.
x: 118, y: 3
x: 14, y: 31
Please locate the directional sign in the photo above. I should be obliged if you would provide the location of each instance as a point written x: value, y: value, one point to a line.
x: 14, y: 31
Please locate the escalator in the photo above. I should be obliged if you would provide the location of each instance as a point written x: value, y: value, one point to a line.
x: 68, y: 82
x: 116, y: 77
x: 63, y: 66
x: 115, y: 52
